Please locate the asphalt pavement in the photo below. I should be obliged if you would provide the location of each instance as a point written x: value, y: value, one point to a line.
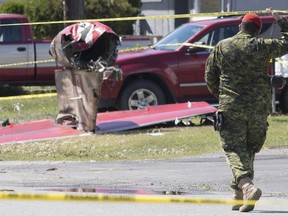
x: 204, y: 177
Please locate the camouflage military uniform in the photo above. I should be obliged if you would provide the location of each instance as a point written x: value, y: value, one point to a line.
x: 236, y: 73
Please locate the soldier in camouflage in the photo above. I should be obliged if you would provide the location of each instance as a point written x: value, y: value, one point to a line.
x: 236, y: 73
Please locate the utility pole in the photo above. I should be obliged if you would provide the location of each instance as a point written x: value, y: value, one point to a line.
x: 73, y: 9
x: 222, y: 6
x: 196, y: 6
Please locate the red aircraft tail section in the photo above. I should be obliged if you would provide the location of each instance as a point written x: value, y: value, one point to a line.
x: 34, y: 131
x: 131, y: 119
x: 106, y: 122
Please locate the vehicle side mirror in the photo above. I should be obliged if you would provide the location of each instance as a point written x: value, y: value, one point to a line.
x: 194, y: 49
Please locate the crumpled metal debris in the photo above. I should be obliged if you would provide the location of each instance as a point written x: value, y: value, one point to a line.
x: 88, y: 46
x: 88, y: 52
x: 5, y: 123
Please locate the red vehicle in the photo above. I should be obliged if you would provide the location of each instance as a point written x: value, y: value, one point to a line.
x: 17, y: 45
x: 171, y: 71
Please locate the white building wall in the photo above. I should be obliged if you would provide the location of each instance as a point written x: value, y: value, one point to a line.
x: 160, y: 27
x: 159, y: 7
x: 163, y: 27
x: 245, y: 5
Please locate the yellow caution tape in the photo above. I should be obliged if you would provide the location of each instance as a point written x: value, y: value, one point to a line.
x: 176, y: 16
x: 127, y: 198
x: 138, y: 18
x: 187, y: 44
x: 28, y: 96
x: 281, y: 62
x: 26, y: 63
x: 135, y: 49
x: 125, y: 50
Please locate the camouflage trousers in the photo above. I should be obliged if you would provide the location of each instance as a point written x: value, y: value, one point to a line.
x: 242, y: 136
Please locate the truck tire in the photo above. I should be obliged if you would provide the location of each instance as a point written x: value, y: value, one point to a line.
x: 284, y: 100
x: 139, y: 94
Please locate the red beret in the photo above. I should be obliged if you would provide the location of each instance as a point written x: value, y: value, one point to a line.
x: 253, y: 18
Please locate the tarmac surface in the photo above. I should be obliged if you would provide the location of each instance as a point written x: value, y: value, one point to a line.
x: 205, y: 177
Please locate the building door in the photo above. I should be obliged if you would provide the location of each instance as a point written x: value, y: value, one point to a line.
x: 181, y: 7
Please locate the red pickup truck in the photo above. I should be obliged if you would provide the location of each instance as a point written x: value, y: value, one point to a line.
x: 173, y: 71
x: 17, y: 45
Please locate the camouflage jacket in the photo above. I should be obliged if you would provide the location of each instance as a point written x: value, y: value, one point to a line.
x: 236, y: 70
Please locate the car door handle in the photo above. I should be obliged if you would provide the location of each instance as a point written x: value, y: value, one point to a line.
x: 21, y: 49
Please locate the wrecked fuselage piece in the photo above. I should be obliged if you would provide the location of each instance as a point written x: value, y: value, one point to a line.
x: 88, y: 52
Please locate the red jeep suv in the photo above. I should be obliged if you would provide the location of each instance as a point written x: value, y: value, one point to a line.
x: 172, y: 71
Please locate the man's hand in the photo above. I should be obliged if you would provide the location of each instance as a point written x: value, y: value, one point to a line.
x: 273, y: 13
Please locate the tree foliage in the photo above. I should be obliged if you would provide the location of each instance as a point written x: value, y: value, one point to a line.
x: 16, y: 7
x: 52, y: 10
x: 96, y: 9
x: 44, y: 11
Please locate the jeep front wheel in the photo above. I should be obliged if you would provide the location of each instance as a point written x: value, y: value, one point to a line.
x: 140, y: 94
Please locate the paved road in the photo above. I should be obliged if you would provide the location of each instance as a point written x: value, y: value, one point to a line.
x: 206, y: 176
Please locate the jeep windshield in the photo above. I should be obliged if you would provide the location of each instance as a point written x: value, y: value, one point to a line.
x: 174, y: 39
